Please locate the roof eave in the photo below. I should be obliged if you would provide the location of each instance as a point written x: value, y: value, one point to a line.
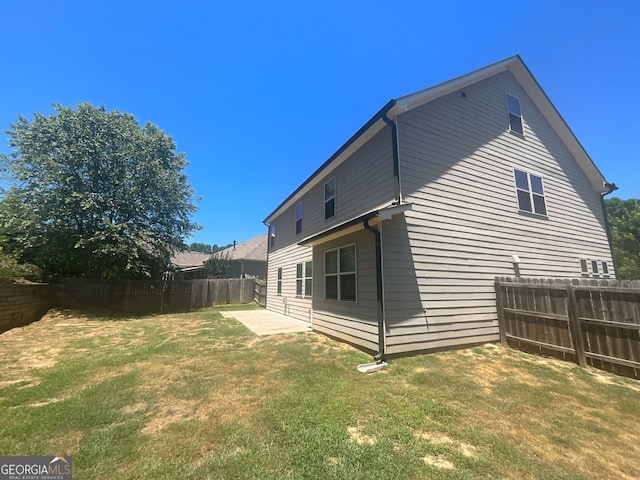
x: 373, y: 126
x: 355, y: 224
x: 398, y: 106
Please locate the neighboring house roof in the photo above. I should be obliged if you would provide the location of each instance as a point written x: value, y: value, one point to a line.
x: 254, y: 249
x: 186, y: 260
x: 408, y: 102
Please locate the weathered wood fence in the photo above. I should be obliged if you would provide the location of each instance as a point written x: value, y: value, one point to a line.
x: 590, y: 322
x: 147, y: 296
x: 21, y: 304
x: 260, y: 292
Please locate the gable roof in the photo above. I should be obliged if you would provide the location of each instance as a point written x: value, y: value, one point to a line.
x: 395, y: 107
x: 253, y: 249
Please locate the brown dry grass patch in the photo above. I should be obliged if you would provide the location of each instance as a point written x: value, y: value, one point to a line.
x: 529, y: 424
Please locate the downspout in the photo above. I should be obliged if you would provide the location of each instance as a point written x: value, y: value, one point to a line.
x: 268, y: 251
x: 379, y: 357
x: 396, y: 156
x: 611, y: 187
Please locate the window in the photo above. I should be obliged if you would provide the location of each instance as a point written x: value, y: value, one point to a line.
x: 515, y: 115
x: 299, y: 218
x: 279, y: 284
x: 584, y: 267
x: 304, y: 279
x: 594, y: 268
x: 308, y: 279
x: 530, y: 193
x: 299, y: 280
x: 340, y: 274
x: 330, y: 198
x: 272, y: 235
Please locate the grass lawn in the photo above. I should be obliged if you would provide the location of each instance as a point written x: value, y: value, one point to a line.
x: 199, y: 396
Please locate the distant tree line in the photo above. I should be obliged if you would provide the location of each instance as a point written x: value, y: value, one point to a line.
x: 206, y: 248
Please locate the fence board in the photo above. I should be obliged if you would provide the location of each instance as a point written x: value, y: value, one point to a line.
x: 596, y: 322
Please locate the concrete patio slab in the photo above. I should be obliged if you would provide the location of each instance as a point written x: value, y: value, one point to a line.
x: 266, y: 322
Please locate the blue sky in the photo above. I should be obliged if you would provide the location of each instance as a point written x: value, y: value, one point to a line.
x: 259, y: 94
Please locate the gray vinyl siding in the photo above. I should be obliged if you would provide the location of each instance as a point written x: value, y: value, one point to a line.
x: 287, y: 303
x: 363, y: 183
x: 456, y: 162
x: 354, y: 322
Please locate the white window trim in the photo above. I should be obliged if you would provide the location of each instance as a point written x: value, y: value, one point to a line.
x: 304, y: 293
x: 331, y: 198
x: 531, y: 193
x: 506, y: 103
x: 600, y: 265
x: 303, y: 280
x: 300, y: 279
x: 338, y: 274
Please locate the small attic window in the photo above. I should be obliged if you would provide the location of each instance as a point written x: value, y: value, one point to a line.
x: 515, y: 115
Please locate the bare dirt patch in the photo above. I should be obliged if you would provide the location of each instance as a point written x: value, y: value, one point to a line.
x: 443, y: 439
x: 358, y: 436
x: 438, y: 462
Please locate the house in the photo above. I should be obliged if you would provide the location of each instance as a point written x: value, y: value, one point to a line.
x: 246, y: 258
x: 393, y: 244
x: 189, y: 265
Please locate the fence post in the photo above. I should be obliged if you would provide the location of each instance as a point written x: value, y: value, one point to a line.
x: 502, y: 326
x: 575, y: 328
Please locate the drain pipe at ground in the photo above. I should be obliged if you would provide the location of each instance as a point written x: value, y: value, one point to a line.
x: 379, y: 363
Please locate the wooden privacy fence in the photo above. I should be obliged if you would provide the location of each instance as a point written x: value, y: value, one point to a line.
x: 591, y: 322
x: 147, y: 296
x: 21, y: 304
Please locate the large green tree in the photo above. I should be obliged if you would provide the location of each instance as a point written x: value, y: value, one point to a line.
x: 624, y: 224
x: 94, y: 194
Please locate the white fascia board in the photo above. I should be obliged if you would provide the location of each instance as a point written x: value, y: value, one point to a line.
x: 413, y: 100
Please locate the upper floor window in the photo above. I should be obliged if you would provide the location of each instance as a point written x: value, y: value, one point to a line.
x: 330, y: 198
x: 530, y: 193
x: 299, y: 218
x: 340, y: 274
x: 515, y: 115
x: 272, y: 235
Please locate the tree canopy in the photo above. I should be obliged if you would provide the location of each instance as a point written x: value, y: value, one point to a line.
x: 624, y: 223
x: 217, y: 267
x: 94, y: 194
